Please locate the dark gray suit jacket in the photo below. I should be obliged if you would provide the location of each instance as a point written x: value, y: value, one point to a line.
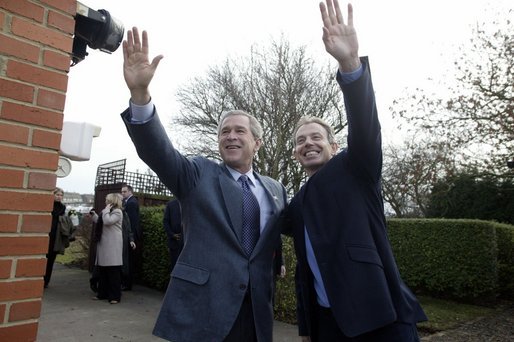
x: 342, y: 209
x: 210, y: 279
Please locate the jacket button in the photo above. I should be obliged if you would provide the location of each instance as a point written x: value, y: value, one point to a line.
x: 242, y: 287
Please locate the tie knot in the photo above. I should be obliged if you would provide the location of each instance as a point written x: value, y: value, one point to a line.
x: 243, y: 179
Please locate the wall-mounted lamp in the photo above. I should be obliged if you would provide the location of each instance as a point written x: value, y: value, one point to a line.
x: 96, y: 29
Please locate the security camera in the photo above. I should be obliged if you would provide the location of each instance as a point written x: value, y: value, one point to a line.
x: 510, y: 164
x: 96, y: 29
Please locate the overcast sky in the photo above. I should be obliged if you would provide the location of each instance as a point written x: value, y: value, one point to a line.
x: 406, y: 41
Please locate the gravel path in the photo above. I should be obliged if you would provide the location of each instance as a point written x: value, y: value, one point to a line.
x: 495, y: 328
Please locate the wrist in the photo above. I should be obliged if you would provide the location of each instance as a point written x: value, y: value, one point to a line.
x: 140, y: 96
x: 349, y: 65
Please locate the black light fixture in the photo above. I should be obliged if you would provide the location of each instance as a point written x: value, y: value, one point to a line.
x: 96, y: 29
x: 510, y: 164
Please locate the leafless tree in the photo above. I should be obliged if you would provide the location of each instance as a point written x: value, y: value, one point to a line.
x: 410, y: 172
x: 278, y: 85
x: 478, y: 113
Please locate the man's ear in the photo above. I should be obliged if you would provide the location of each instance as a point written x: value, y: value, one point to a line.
x: 258, y: 144
x: 335, y: 147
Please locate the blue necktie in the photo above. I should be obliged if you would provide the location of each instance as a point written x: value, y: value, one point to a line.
x: 251, y: 217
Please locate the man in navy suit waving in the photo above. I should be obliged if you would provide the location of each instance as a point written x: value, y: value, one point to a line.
x: 348, y: 284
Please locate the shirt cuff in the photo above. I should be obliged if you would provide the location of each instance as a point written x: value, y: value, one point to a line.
x: 141, y: 114
x: 349, y: 77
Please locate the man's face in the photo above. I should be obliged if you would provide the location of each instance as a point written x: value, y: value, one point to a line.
x: 125, y: 192
x: 236, y: 143
x: 313, y: 150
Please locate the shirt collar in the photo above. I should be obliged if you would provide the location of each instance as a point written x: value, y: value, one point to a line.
x: 236, y: 174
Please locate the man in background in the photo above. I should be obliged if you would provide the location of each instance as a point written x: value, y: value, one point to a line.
x: 172, y: 223
x: 131, y: 207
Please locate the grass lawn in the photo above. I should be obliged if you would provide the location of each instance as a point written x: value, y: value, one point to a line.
x: 445, y: 314
x: 73, y: 255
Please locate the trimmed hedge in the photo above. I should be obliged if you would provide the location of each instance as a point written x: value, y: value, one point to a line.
x: 464, y: 260
x: 285, y: 298
x: 156, y: 261
x: 455, y: 259
x: 505, y: 239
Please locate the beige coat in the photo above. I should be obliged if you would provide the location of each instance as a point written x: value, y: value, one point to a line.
x: 109, y: 250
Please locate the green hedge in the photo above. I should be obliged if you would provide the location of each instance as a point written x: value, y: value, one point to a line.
x: 156, y: 261
x: 465, y: 260
x: 285, y: 298
x: 505, y: 239
x: 456, y: 259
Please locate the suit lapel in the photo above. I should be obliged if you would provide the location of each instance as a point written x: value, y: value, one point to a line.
x: 233, y: 198
x: 273, y: 199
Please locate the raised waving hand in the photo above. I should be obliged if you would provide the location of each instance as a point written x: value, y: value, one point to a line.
x: 137, y: 69
x: 340, y: 39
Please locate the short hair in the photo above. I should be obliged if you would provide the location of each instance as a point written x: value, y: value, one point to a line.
x: 114, y: 199
x: 129, y: 188
x: 57, y: 189
x: 255, y: 126
x: 304, y: 120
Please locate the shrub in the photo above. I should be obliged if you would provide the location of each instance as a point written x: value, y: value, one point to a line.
x: 285, y: 298
x: 454, y: 259
x: 505, y: 239
x: 156, y: 264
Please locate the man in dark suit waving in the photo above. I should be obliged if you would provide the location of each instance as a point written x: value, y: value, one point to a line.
x: 349, y: 287
x: 220, y: 288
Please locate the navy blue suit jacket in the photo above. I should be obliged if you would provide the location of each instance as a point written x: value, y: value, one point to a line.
x: 132, y: 209
x: 342, y: 209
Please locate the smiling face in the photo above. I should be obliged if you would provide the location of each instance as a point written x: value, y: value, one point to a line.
x: 236, y: 143
x: 312, y: 147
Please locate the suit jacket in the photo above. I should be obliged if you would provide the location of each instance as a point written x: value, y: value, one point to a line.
x: 212, y: 276
x: 132, y: 209
x: 342, y: 209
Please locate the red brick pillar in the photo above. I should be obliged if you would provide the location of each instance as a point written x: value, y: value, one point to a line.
x: 36, y: 40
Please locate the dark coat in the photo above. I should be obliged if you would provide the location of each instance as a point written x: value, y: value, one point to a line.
x: 342, y: 209
x: 172, y: 223
x: 61, y: 230
x: 131, y: 207
x: 128, y: 237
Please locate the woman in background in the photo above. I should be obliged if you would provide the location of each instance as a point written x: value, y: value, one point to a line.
x: 60, y: 231
x: 109, y: 249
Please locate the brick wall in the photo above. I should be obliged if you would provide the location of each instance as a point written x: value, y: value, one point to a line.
x: 36, y: 38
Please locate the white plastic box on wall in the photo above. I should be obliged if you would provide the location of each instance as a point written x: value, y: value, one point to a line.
x: 77, y: 138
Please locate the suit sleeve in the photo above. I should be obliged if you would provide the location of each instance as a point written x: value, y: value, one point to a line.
x: 153, y: 146
x: 364, y: 136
